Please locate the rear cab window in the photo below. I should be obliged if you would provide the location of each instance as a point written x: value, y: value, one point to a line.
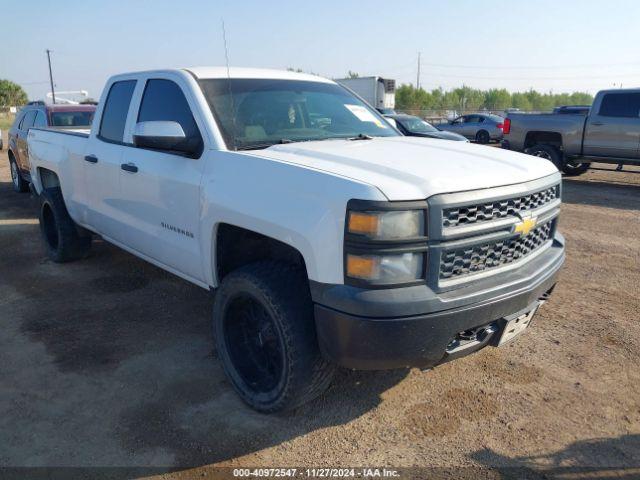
x: 116, y: 108
x: 623, y: 105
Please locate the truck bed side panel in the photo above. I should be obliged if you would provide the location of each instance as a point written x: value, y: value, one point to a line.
x: 570, y: 128
x: 62, y: 153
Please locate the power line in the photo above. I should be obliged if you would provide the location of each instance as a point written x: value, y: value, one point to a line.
x: 472, y: 76
x: 524, y: 67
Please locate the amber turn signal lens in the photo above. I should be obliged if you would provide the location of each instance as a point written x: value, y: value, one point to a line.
x: 362, y: 267
x: 365, y: 223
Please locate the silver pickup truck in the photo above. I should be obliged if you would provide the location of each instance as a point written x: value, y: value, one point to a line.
x: 609, y: 133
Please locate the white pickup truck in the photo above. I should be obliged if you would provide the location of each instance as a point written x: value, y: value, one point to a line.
x: 328, y: 238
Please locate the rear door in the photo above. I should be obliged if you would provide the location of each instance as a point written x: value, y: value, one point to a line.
x: 613, y: 127
x: 102, y: 161
x: 471, y: 126
x: 160, y: 190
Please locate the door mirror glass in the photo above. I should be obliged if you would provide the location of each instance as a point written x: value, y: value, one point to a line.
x: 160, y: 135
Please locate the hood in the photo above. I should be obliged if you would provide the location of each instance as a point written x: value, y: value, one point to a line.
x: 412, y: 168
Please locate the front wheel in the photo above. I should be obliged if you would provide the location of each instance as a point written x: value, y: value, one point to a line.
x: 266, y: 339
x: 574, y: 169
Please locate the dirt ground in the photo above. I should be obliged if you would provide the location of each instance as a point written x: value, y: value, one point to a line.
x: 110, y: 362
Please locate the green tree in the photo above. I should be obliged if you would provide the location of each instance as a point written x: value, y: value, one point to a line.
x: 351, y: 74
x: 409, y: 98
x: 497, y: 99
x: 12, y: 94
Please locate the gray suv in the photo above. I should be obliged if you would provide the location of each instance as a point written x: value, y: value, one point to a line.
x: 480, y: 127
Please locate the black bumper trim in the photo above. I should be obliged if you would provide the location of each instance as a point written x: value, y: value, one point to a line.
x: 367, y: 343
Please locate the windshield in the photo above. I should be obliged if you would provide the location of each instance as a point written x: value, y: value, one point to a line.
x: 416, y: 125
x: 258, y: 113
x: 71, y: 119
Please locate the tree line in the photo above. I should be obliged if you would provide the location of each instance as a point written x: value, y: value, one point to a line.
x: 466, y: 98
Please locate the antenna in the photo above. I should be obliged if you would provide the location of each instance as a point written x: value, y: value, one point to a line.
x: 233, y: 105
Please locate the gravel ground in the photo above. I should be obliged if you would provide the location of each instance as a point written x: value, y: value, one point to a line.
x: 110, y: 362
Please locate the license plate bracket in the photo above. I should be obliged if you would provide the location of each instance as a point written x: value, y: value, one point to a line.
x: 515, y: 325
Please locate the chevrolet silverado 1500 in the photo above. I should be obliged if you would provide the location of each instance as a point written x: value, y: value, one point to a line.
x: 608, y: 133
x: 328, y: 238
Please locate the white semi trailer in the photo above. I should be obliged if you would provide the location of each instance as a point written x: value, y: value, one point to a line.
x: 376, y: 91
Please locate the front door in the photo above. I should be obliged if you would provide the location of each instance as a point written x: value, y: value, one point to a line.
x: 160, y: 190
x: 613, y: 127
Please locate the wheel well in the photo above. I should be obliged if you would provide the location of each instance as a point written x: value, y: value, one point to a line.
x: 236, y: 247
x: 48, y: 178
x: 548, y: 138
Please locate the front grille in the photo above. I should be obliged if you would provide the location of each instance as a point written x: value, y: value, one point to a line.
x: 453, y: 217
x: 485, y: 256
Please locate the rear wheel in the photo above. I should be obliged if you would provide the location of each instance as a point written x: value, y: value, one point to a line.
x: 265, y: 337
x: 574, y: 168
x: 483, y: 137
x: 63, y: 239
x: 19, y: 184
x: 548, y: 152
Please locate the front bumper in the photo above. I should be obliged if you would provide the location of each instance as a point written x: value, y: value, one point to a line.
x: 412, y: 326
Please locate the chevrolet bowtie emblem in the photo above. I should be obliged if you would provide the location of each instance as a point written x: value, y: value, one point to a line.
x: 525, y: 226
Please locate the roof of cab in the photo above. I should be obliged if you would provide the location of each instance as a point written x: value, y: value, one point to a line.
x: 239, y: 72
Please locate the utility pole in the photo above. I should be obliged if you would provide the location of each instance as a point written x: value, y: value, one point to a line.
x: 418, y: 76
x: 53, y: 93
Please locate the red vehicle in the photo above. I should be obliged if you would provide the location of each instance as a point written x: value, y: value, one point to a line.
x: 38, y: 115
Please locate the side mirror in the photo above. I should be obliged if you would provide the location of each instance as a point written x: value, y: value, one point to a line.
x: 161, y: 135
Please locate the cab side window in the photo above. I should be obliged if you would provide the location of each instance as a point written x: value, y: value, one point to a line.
x: 27, y: 121
x: 163, y: 100
x: 114, y: 116
x: 625, y: 105
x: 40, y: 121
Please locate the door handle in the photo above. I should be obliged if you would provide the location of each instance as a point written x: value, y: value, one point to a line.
x: 129, y: 167
x: 597, y: 124
x: 91, y: 158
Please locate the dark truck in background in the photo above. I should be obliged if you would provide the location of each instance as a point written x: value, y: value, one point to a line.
x: 608, y: 133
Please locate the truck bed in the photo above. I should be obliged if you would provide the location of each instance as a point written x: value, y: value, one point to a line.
x: 526, y: 125
x: 57, y: 150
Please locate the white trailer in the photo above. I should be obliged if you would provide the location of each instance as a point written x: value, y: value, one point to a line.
x: 378, y: 92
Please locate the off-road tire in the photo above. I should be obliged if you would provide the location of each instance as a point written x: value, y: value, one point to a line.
x: 282, y: 291
x: 573, y: 170
x: 483, y: 137
x: 548, y: 152
x: 18, y: 183
x: 64, y: 240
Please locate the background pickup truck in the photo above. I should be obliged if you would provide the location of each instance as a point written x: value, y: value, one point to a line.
x: 609, y: 133
x: 328, y: 238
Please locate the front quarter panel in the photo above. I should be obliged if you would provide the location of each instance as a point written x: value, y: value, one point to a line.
x: 302, y: 207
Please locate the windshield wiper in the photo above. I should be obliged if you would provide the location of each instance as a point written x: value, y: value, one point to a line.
x: 258, y: 146
x: 361, y: 136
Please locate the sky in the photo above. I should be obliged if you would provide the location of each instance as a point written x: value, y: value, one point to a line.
x: 559, y: 45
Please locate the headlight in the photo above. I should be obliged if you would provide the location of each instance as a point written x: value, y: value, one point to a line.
x: 385, y: 243
x: 384, y: 269
x: 391, y: 225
